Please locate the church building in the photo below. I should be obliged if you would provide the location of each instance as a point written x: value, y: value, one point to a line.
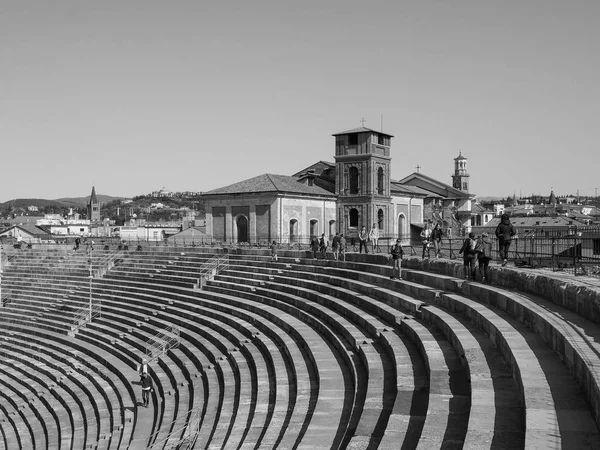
x: 354, y: 191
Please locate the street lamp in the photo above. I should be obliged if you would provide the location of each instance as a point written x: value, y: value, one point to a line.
x: 1, y: 303
x: 91, y: 278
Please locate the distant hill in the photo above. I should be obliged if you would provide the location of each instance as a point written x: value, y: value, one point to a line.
x: 73, y: 202
x: 83, y: 201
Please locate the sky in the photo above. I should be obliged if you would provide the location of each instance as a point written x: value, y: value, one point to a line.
x: 135, y: 95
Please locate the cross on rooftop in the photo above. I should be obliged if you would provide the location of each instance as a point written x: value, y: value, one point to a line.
x: 362, y: 121
x: 418, y: 167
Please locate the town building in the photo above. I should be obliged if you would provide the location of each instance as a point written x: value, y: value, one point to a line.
x: 340, y: 197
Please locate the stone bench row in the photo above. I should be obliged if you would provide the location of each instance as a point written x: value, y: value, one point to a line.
x: 101, y: 399
x: 377, y: 320
x: 532, y: 378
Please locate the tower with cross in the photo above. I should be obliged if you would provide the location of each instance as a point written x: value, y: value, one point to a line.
x: 362, y: 181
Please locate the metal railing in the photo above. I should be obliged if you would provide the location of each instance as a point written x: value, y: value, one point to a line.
x: 107, y: 262
x: 211, y: 268
x: 162, y: 342
x: 184, y: 437
x: 83, y: 316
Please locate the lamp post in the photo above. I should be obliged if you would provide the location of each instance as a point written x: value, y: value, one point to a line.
x: 91, y: 278
x: 1, y: 302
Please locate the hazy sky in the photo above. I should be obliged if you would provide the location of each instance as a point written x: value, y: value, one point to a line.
x: 193, y: 95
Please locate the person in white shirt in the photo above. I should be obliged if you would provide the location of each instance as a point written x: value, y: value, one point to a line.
x: 374, y: 237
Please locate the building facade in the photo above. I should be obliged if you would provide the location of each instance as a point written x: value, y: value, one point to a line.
x: 341, y: 197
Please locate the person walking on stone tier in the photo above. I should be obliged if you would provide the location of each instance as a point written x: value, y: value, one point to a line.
x: 504, y: 232
x: 314, y: 246
x: 374, y: 237
x: 363, y: 237
x: 146, y: 389
x: 426, y: 235
x: 143, y: 369
x: 323, y: 244
x: 436, y: 239
x: 483, y: 250
x: 342, y: 248
x: 274, y: 251
x: 397, y: 254
x: 468, y: 252
x: 335, y: 246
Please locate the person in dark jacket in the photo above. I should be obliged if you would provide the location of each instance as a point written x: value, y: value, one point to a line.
x: 314, y: 246
x: 397, y: 254
x: 363, y: 238
x: 146, y: 389
x: 468, y: 252
x: 436, y: 239
x: 483, y: 248
x: 504, y: 232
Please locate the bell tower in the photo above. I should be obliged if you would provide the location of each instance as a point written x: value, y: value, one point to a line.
x: 460, y: 179
x: 93, y: 207
x: 362, y: 181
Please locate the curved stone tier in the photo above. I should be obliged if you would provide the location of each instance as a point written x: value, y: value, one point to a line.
x: 307, y: 354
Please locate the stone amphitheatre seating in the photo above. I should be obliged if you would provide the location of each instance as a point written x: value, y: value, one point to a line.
x: 295, y: 354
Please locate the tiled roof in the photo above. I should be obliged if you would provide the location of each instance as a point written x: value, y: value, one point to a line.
x: 398, y: 188
x: 319, y: 167
x: 362, y: 130
x: 450, y: 192
x: 270, y: 183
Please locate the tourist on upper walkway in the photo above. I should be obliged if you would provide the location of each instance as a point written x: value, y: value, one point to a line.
x: 374, y: 237
x: 436, y: 239
x: 397, y: 254
x: 335, y: 246
x: 426, y: 235
x: 483, y: 250
x: 323, y: 244
x: 274, y: 251
x: 314, y: 246
x: 468, y: 252
x: 363, y: 237
x: 504, y: 232
x: 342, y: 248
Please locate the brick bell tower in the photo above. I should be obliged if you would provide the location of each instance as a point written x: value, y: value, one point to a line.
x: 362, y: 181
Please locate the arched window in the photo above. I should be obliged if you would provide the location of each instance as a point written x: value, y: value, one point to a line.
x: 332, y: 229
x: 293, y: 230
x: 380, y: 219
x: 354, y: 217
x: 353, y: 180
x: 314, y: 227
x: 401, y: 227
x: 380, y: 181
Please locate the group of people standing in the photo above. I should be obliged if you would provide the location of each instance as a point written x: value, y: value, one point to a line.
x: 372, y: 236
x: 432, y: 237
x: 477, y: 252
x: 321, y: 245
